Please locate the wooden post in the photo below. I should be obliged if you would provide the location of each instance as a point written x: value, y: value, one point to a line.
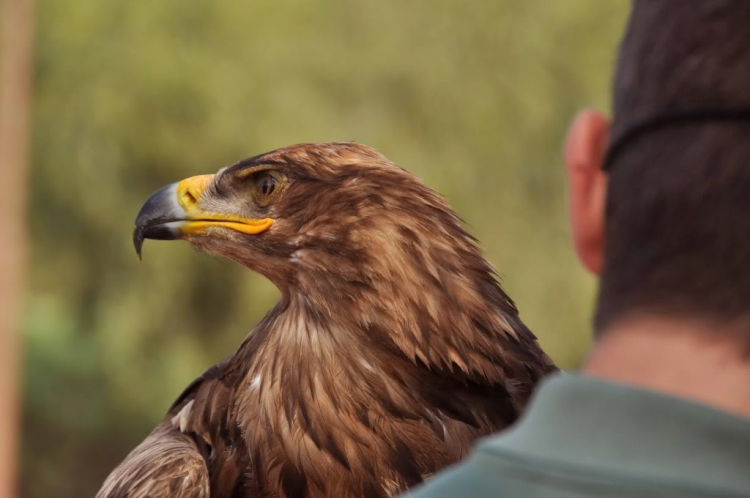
x: 16, y: 63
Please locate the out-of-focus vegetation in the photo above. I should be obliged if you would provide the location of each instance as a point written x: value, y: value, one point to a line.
x: 474, y: 97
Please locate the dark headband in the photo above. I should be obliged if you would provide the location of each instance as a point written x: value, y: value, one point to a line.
x: 680, y: 118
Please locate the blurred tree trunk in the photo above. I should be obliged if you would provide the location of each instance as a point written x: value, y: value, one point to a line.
x: 15, y: 94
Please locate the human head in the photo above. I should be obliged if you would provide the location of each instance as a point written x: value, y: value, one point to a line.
x: 665, y: 222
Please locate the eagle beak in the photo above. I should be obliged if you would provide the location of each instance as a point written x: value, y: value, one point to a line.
x: 173, y: 212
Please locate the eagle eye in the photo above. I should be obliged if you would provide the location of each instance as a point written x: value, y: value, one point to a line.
x: 267, y: 184
x: 266, y: 187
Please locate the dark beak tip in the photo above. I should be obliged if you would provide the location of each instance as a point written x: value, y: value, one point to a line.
x: 138, y: 237
x: 158, y: 210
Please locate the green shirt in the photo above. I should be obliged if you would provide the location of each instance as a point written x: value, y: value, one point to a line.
x: 583, y: 437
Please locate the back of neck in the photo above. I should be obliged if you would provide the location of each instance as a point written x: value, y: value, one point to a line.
x: 687, y: 359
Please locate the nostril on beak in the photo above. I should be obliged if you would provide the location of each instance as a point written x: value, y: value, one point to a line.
x: 187, y: 198
x: 190, y: 190
x: 191, y: 199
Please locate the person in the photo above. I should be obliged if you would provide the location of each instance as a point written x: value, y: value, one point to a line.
x: 660, y: 210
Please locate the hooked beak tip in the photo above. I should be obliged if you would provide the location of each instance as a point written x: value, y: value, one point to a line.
x: 157, y: 212
x: 138, y: 238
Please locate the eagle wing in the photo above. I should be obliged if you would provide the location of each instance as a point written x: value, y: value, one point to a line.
x: 178, y: 457
x: 166, y: 463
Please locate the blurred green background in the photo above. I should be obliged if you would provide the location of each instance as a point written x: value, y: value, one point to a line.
x: 474, y: 97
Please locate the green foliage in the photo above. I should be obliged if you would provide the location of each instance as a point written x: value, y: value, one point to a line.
x: 474, y: 97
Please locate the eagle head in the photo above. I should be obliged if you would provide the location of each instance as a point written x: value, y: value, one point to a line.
x: 311, y: 215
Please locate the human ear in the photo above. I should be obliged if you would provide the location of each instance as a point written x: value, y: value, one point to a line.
x: 585, y: 147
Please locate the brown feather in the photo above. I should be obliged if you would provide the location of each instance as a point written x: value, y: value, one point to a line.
x: 392, y: 349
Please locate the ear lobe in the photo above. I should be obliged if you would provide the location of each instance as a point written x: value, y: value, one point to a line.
x: 585, y: 147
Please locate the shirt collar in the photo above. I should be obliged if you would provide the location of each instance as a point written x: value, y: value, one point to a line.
x: 630, y: 432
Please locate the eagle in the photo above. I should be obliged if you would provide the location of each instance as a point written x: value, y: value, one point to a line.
x: 391, y: 350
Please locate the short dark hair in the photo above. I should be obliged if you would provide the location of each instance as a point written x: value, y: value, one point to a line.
x: 677, y: 236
